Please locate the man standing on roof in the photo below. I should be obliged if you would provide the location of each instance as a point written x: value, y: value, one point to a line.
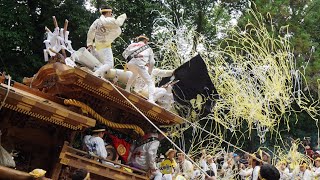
x: 140, y: 55
x: 103, y: 32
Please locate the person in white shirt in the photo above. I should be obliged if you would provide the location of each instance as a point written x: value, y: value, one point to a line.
x: 140, y: 55
x: 304, y: 173
x: 284, y: 171
x: 228, y: 164
x: 96, y: 145
x: 144, y: 155
x: 255, y: 162
x: 316, y: 173
x: 244, y: 172
x: 203, y: 161
x: 184, y: 167
x: 103, y: 32
x: 211, y: 165
x: 163, y: 95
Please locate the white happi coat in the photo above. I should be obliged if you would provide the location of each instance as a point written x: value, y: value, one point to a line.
x: 144, y: 156
x: 143, y: 58
x: 255, y: 173
x: 245, y: 173
x: 137, y: 66
x: 306, y: 175
x: 285, y: 174
x: 104, y: 31
x: 187, y: 169
x: 196, y: 174
x: 96, y: 145
x: 213, y: 167
x: 163, y: 95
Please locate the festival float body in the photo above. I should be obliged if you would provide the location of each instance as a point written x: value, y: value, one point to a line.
x: 42, y: 118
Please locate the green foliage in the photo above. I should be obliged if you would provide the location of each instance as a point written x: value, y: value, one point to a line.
x: 16, y: 35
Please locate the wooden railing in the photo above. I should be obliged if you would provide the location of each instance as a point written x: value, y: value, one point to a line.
x: 82, y: 160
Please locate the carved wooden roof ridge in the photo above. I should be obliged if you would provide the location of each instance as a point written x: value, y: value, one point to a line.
x: 62, y: 80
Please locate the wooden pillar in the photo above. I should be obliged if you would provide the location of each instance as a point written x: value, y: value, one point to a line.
x: 58, y: 166
x: 72, y: 137
x: 56, y: 171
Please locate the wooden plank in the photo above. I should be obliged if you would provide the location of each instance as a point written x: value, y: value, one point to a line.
x: 98, y: 168
x: 73, y: 151
x: 70, y: 156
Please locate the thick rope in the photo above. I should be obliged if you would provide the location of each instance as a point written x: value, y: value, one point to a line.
x: 101, y: 119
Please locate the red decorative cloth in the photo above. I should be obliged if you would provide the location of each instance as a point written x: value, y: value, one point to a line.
x: 122, y: 146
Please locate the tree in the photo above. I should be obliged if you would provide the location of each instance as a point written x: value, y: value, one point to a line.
x: 17, y: 33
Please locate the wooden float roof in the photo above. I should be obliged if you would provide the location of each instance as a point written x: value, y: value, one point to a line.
x: 39, y: 107
x: 62, y: 80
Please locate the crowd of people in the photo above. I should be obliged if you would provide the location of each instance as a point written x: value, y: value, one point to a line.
x: 173, y: 164
x: 255, y: 166
x: 144, y: 155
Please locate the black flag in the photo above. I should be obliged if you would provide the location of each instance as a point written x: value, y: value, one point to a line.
x: 193, y: 80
